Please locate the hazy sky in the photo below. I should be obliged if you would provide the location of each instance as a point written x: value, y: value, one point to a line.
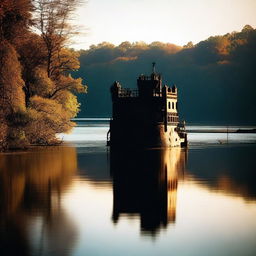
x: 174, y: 21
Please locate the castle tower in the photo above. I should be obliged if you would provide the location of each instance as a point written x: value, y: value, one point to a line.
x: 150, y: 86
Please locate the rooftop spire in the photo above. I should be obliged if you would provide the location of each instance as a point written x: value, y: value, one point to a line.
x: 153, y: 67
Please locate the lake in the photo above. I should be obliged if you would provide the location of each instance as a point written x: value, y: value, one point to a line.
x: 82, y: 198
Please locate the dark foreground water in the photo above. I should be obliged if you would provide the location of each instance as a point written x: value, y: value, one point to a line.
x: 81, y: 199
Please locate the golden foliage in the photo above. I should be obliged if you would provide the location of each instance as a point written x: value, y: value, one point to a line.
x: 69, y: 103
x: 34, y: 170
x: 68, y: 83
x: 37, y: 99
x: 167, y: 47
x: 41, y: 84
x: 125, y: 58
x: 3, y: 132
x: 11, y: 83
x: 15, y: 18
x: 48, y: 117
x: 12, y: 100
x: 222, y: 46
x: 67, y: 60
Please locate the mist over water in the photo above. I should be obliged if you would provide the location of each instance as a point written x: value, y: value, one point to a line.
x: 84, y: 199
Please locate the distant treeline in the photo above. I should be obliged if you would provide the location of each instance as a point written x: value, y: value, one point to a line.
x: 216, y: 78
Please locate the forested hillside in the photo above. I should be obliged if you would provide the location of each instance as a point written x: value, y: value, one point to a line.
x: 216, y: 78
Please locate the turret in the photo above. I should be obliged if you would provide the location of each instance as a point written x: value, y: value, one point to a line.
x: 174, y: 89
x: 150, y: 86
x: 115, y: 90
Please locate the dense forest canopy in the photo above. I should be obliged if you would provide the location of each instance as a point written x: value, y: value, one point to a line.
x: 215, y: 78
x: 37, y: 91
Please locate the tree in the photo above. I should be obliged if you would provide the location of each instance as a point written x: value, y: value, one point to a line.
x: 32, y: 55
x: 14, y: 20
x: 49, y: 87
x: 50, y: 83
x: 37, y: 91
x: 189, y: 45
x: 247, y: 28
x: 52, y: 20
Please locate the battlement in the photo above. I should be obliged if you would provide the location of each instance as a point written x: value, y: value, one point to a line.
x: 127, y: 92
x: 118, y: 92
x: 153, y: 76
x: 133, y: 93
x: 171, y: 92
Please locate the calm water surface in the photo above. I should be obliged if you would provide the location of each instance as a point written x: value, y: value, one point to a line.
x: 81, y: 199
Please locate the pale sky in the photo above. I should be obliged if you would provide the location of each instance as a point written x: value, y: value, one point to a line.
x: 173, y: 21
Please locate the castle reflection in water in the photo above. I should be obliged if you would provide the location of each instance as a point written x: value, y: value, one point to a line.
x: 58, y: 200
x: 145, y: 183
x: 32, y: 185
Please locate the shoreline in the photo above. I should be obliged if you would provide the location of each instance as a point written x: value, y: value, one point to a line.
x: 245, y: 130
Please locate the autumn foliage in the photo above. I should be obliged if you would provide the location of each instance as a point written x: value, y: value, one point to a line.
x: 37, y: 92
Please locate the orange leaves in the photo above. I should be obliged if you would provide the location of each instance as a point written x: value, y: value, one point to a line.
x: 37, y: 99
x: 11, y: 83
x: 222, y: 46
x: 47, y: 107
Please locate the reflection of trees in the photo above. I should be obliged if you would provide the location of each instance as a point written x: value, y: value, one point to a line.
x: 229, y: 170
x: 31, y: 185
x: 145, y: 184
